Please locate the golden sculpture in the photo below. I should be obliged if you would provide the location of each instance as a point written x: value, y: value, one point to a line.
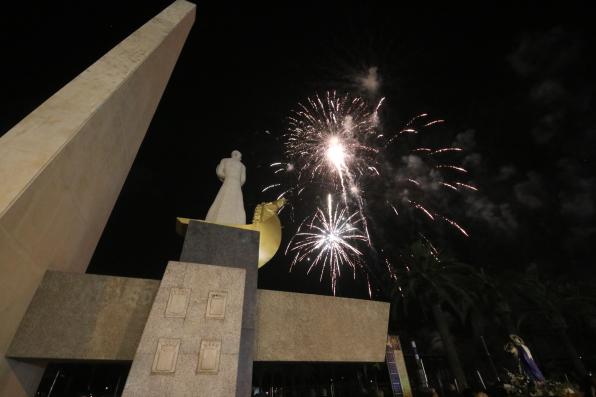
x: 264, y: 220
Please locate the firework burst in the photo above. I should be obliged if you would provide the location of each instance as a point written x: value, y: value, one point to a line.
x: 328, y: 239
x: 334, y: 143
x: 332, y: 139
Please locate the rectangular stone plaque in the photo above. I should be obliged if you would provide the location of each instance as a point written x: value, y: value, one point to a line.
x: 177, y: 302
x: 166, y: 356
x: 209, y: 357
x: 216, y: 305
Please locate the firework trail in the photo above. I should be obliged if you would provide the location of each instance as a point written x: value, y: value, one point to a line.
x: 328, y: 240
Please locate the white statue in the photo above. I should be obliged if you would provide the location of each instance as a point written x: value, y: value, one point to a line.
x: 228, y: 207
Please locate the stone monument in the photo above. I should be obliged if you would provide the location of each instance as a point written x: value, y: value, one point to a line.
x: 199, y: 329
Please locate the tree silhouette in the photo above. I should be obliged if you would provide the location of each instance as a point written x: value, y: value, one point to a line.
x: 432, y: 282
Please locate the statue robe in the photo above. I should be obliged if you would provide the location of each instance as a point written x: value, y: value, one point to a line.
x: 528, y: 364
x: 228, y: 207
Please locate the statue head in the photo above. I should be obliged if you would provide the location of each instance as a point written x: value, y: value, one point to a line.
x: 236, y: 155
x: 510, y: 348
x: 516, y: 340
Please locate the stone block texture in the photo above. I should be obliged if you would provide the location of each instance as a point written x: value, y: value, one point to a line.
x: 77, y: 316
x: 205, y: 363
x: 304, y: 327
x: 231, y: 247
x: 90, y: 317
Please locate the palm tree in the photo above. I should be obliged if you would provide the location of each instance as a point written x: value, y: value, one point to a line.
x: 552, y: 301
x: 434, y: 282
x: 496, y: 293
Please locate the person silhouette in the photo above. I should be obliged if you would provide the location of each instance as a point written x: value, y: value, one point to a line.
x: 228, y: 206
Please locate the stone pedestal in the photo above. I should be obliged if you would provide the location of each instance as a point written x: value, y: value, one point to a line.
x: 191, y: 342
x: 231, y: 247
x: 200, y: 335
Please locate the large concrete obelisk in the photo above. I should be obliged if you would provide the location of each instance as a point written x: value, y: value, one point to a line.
x: 62, y: 168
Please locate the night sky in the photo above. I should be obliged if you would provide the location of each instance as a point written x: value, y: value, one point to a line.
x: 514, y: 82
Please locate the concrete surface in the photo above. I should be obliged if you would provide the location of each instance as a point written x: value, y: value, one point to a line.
x: 77, y: 316
x: 290, y: 326
x: 303, y: 327
x: 206, y: 360
x: 231, y: 247
x: 62, y: 168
